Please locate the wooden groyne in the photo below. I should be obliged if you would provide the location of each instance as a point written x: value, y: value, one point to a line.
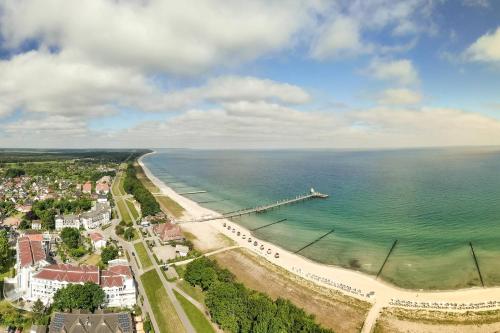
x: 259, y: 209
x: 267, y: 225
x: 314, y: 241
x: 477, y: 264
x: 387, y: 258
x: 193, y: 192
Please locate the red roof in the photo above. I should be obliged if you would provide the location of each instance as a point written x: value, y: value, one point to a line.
x: 87, y: 187
x: 30, y: 251
x: 95, y: 236
x: 69, y: 273
x: 112, y: 277
x: 168, y: 231
x: 102, y: 187
x: 34, y: 237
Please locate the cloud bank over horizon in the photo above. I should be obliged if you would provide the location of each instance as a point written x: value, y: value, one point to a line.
x: 239, y: 74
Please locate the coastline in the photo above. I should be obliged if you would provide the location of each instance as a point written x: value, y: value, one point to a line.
x: 351, y: 283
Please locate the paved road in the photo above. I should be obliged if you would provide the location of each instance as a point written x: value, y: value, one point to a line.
x: 168, y: 286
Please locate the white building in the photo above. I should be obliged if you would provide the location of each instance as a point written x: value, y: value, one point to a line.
x: 31, y: 256
x: 98, y: 241
x: 117, y: 282
x: 67, y: 221
x: 99, y: 214
x: 181, y: 250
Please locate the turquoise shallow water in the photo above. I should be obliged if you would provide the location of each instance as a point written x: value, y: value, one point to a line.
x: 433, y: 201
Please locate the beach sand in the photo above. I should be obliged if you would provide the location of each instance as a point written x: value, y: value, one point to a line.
x: 355, y: 284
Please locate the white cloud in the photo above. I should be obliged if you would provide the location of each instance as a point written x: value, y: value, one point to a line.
x: 45, y: 83
x: 181, y: 37
x: 348, y: 23
x: 236, y: 88
x: 486, y: 48
x: 401, y: 71
x: 476, y: 3
x: 339, y: 38
x: 399, y: 96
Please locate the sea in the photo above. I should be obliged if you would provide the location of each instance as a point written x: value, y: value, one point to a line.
x: 439, y: 208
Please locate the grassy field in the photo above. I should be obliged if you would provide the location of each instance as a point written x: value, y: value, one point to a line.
x: 117, y: 187
x: 331, y: 309
x: 143, y: 255
x: 133, y: 210
x: 196, y: 317
x: 123, y: 211
x: 170, y: 205
x: 424, y: 321
x: 145, y: 180
x: 194, y: 292
x: 162, y: 308
x: 93, y: 259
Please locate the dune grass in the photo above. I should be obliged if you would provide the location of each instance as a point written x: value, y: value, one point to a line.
x: 170, y: 205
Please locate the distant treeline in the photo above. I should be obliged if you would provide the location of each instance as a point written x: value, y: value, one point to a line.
x: 132, y: 185
x: 37, y: 155
x: 237, y: 309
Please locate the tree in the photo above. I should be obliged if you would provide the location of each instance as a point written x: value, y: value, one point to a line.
x: 108, y: 253
x: 129, y: 233
x: 14, y: 172
x: 88, y: 296
x: 71, y: 237
x: 5, y: 251
x: 38, y: 310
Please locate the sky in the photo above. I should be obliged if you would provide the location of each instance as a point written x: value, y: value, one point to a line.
x: 254, y: 74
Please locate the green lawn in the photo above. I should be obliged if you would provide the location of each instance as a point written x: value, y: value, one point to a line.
x: 124, y: 212
x: 162, y: 307
x: 143, y: 255
x: 117, y: 188
x: 170, y: 205
x: 131, y: 207
x: 194, y: 292
x: 196, y: 317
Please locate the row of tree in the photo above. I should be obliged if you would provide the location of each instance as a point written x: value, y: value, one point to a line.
x: 237, y: 309
x: 132, y: 185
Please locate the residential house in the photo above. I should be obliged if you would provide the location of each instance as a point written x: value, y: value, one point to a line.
x: 67, y: 221
x: 181, y: 250
x: 167, y: 232
x: 98, y: 241
x: 87, y: 187
x: 99, y: 322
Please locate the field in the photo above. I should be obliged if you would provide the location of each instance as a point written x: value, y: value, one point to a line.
x: 123, y: 211
x: 145, y: 180
x: 162, y: 308
x: 117, y: 187
x: 420, y: 321
x: 196, y: 317
x: 170, y: 205
x: 332, y: 309
x: 93, y: 259
x: 133, y: 210
x: 143, y: 255
x: 194, y: 292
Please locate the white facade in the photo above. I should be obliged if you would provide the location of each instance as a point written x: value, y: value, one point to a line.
x: 67, y: 221
x: 99, y: 215
x: 122, y: 294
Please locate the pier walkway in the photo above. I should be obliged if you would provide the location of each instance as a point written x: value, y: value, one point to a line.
x: 259, y: 209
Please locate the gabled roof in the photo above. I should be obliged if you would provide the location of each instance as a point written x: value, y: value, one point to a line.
x: 69, y: 273
x: 30, y: 251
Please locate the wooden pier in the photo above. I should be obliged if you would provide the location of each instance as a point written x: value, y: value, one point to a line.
x: 259, y: 209
x: 193, y: 192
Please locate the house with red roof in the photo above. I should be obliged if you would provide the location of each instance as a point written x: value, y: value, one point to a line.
x: 31, y: 255
x: 98, y: 241
x: 87, y: 187
x: 167, y: 232
x: 117, y: 282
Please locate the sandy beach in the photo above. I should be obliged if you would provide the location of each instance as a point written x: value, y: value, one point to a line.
x: 352, y: 283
